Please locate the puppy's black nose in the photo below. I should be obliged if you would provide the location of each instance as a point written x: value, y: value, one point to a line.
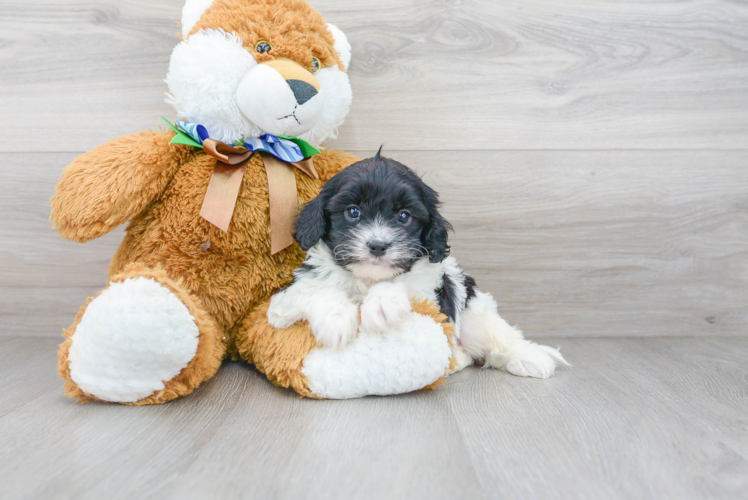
x: 302, y: 91
x: 377, y: 247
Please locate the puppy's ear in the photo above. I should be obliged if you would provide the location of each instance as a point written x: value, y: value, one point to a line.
x: 310, y: 225
x: 436, y: 232
x: 435, y: 237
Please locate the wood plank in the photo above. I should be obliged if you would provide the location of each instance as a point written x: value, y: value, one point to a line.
x: 532, y: 74
x: 581, y: 243
x: 634, y: 418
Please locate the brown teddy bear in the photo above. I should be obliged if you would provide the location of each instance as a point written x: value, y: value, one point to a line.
x: 260, y: 84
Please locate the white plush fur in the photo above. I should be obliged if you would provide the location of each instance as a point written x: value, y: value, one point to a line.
x: 204, y: 72
x: 404, y: 359
x: 277, y: 112
x: 336, y: 89
x: 342, y: 47
x: 214, y: 81
x: 191, y: 13
x: 132, y: 338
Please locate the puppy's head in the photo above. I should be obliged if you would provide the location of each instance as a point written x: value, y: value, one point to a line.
x: 378, y: 218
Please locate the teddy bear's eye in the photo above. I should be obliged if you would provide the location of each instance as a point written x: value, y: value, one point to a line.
x: 315, y: 65
x: 263, y: 47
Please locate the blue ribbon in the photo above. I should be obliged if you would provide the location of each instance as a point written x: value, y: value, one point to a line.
x: 281, y: 148
x: 197, y: 132
x: 276, y: 146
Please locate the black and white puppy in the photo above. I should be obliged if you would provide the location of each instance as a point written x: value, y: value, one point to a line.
x: 375, y: 239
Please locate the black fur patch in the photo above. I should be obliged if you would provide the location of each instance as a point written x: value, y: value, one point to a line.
x: 470, y: 287
x: 447, y: 298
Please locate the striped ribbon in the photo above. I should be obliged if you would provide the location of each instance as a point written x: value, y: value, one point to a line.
x: 282, y: 149
x: 197, y: 132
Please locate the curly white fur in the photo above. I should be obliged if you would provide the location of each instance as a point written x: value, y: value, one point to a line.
x: 385, y: 307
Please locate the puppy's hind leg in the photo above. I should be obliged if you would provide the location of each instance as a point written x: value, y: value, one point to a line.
x: 486, y: 336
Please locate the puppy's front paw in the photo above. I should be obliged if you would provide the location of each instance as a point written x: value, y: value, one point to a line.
x: 385, y: 306
x: 279, y: 314
x: 529, y: 359
x: 335, y: 325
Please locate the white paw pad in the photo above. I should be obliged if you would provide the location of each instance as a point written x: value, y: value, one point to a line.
x: 132, y: 338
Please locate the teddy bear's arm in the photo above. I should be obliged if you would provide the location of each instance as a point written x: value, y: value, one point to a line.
x: 113, y: 183
x: 329, y: 163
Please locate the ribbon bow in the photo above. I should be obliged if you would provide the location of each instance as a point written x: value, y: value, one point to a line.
x: 278, y: 154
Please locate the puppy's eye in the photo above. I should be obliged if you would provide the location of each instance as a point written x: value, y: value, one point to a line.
x: 315, y: 65
x: 263, y: 47
x: 403, y: 217
x: 353, y: 213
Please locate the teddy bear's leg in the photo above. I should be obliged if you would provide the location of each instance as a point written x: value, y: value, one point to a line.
x: 414, y: 355
x: 143, y: 340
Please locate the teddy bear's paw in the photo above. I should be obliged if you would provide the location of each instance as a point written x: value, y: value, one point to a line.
x: 384, y: 307
x: 132, y: 338
x: 528, y: 359
x: 335, y: 325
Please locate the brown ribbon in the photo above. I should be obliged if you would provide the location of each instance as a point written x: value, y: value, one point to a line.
x: 223, y: 190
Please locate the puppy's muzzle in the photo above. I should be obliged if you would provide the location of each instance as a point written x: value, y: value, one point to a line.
x: 377, y: 247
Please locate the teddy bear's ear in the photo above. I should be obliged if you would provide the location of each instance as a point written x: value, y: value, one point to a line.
x: 191, y: 13
x: 341, y: 44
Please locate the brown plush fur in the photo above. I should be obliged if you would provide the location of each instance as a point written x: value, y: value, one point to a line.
x: 297, y: 31
x: 279, y: 354
x: 160, y: 188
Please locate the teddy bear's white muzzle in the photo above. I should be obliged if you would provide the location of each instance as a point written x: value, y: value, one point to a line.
x: 279, y: 101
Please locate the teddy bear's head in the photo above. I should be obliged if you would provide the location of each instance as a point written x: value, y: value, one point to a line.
x: 250, y: 67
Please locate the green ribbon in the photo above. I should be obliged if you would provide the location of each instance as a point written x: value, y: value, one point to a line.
x: 181, y: 138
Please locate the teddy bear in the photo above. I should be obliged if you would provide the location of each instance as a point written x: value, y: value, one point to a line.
x: 259, y: 87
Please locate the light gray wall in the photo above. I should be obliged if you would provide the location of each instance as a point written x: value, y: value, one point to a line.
x: 593, y: 157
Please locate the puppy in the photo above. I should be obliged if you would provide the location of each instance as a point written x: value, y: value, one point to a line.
x: 375, y: 239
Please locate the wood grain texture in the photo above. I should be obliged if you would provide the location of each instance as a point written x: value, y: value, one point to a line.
x: 571, y: 243
x: 427, y: 75
x: 634, y: 418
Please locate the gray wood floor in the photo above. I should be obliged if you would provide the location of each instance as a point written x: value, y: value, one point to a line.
x: 657, y: 418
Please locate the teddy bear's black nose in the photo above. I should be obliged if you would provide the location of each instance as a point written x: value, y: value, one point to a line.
x: 378, y: 247
x: 302, y: 91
